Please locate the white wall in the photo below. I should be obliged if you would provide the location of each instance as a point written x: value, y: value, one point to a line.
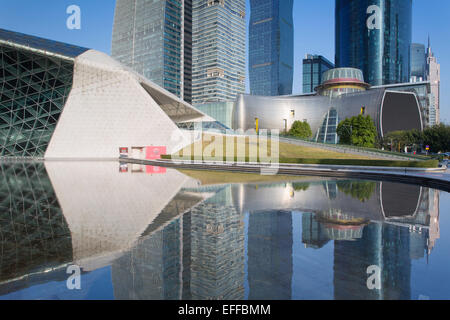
x: 107, y: 109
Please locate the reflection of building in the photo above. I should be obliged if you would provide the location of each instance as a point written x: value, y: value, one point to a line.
x: 355, y: 199
x: 313, y: 232
x: 271, y: 47
x: 217, y: 250
x: 154, y: 39
x: 35, y: 234
x: 152, y: 269
x: 270, y: 255
x: 313, y: 68
x: 106, y: 106
x: 198, y: 255
x: 382, y: 245
x: 375, y: 36
x: 179, y: 240
x: 319, y: 228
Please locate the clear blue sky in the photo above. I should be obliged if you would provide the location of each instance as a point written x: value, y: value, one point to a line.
x: 314, y: 29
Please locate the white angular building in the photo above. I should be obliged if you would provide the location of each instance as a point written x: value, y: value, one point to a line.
x: 59, y: 101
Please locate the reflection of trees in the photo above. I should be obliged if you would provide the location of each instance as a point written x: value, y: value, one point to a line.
x: 361, y: 190
x: 300, y: 186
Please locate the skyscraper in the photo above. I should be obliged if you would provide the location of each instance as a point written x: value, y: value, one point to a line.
x: 218, y: 50
x: 154, y: 39
x: 418, y: 62
x: 271, y: 47
x: 313, y: 68
x: 433, y: 75
x: 375, y: 36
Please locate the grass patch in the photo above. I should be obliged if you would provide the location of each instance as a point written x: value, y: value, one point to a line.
x: 285, y: 150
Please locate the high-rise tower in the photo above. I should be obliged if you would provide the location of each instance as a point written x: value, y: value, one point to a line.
x: 418, y: 62
x: 433, y: 75
x: 271, y: 47
x: 218, y: 50
x: 375, y: 36
x: 154, y: 39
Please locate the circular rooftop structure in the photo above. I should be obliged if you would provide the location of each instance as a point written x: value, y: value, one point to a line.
x: 342, y: 81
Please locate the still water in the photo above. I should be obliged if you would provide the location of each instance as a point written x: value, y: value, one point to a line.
x: 140, y: 232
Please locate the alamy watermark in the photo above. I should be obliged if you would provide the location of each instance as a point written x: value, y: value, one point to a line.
x: 229, y: 147
x: 74, y: 20
x: 74, y: 280
x: 374, y: 279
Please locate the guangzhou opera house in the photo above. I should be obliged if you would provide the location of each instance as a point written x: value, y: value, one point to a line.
x: 60, y: 101
x: 342, y: 94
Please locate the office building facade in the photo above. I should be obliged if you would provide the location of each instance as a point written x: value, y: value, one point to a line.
x: 313, y: 68
x: 433, y: 75
x: 418, y: 63
x: 375, y: 36
x: 154, y: 39
x: 271, y: 47
x: 218, y: 50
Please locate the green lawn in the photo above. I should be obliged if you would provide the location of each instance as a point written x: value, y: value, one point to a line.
x: 286, y: 150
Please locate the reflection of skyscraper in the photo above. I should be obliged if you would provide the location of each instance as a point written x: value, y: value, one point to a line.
x: 217, y: 253
x: 270, y: 255
x: 313, y: 233
x: 151, y: 270
x: 382, y: 245
x: 199, y: 255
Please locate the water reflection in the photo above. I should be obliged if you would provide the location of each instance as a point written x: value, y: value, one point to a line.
x: 142, y: 232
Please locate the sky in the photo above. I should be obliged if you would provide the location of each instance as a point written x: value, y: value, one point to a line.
x: 313, y: 27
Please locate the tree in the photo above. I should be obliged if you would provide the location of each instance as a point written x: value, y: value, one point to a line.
x: 361, y: 190
x: 301, y: 129
x: 358, y: 131
x: 400, y: 139
x: 438, y: 138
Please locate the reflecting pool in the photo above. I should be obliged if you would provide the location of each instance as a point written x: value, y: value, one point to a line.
x: 142, y: 232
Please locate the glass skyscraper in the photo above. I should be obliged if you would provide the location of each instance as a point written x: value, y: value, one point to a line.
x: 418, y: 62
x: 218, y: 50
x: 154, y: 39
x: 375, y: 36
x: 271, y: 47
x: 313, y: 68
